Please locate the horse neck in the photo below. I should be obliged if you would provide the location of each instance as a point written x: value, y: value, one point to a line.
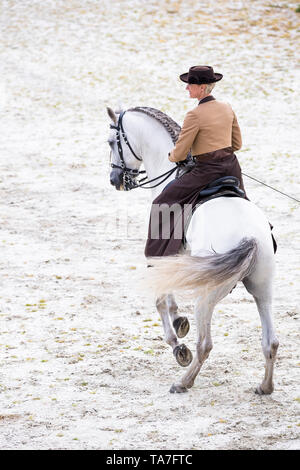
x: 155, y: 144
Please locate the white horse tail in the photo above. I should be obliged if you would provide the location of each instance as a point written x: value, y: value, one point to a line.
x: 203, y: 273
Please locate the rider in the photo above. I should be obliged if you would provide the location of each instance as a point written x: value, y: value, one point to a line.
x: 212, y: 133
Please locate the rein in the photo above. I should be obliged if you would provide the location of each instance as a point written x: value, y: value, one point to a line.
x: 167, y: 174
x: 129, y: 174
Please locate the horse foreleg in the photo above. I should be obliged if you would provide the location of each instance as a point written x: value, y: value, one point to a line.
x: 180, y: 324
x: 203, y: 313
x: 163, y: 309
x: 182, y: 354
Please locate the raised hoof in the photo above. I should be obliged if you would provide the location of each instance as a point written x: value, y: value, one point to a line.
x: 181, y: 326
x: 178, y: 389
x: 260, y: 391
x: 183, y: 355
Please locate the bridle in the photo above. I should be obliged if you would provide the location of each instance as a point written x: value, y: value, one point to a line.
x: 130, y: 174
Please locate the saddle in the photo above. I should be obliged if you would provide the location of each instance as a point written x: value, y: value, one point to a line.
x: 225, y: 186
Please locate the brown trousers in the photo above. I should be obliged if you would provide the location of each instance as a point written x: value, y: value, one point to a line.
x: 182, y: 194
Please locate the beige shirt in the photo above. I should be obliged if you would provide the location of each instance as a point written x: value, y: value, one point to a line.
x: 208, y: 127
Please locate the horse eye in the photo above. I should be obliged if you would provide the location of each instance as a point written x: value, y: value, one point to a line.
x: 111, y: 143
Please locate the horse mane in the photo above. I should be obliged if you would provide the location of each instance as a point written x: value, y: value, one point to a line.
x: 171, y: 126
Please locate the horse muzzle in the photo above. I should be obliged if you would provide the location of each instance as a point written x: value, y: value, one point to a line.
x: 116, y: 178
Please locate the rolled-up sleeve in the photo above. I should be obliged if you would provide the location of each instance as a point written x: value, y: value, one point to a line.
x: 189, y: 130
x: 236, y: 137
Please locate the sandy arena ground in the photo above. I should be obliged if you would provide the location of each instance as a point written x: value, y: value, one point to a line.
x: 83, y: 361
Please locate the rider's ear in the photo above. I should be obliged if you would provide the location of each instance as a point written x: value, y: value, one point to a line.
x: 112, y: 115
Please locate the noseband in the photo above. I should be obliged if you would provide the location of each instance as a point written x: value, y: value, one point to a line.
x: 129, y: 174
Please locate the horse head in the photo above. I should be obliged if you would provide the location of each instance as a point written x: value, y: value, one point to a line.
x: 125, y: 162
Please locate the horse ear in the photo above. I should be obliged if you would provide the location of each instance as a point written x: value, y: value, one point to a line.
x: 112, y: 115
x: 119, y: 109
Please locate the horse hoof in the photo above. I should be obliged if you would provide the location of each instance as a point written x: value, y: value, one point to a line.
x: 183, y: 355
x: 260, y: 391
x: 181, y: 326
x: 178, y: 389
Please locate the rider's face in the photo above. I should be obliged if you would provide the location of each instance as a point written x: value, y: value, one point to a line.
x: 195, y: 91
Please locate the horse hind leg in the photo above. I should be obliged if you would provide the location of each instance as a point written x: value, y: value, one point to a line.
x: 270, y: 343
x: 181, y: 324
x: 181, y: 352
x: 203, y: 311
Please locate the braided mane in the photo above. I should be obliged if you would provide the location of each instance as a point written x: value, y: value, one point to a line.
x: 171, y: 126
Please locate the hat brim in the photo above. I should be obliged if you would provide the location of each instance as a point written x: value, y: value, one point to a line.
x: 184, y: 78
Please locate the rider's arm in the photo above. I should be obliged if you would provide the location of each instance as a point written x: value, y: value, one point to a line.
x: 236, y: 137
x: 186, y: 138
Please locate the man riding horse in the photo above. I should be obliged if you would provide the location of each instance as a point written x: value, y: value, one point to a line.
x: 212, y: 134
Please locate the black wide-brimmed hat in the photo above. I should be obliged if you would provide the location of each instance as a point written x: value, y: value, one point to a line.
x: 201, y: 74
